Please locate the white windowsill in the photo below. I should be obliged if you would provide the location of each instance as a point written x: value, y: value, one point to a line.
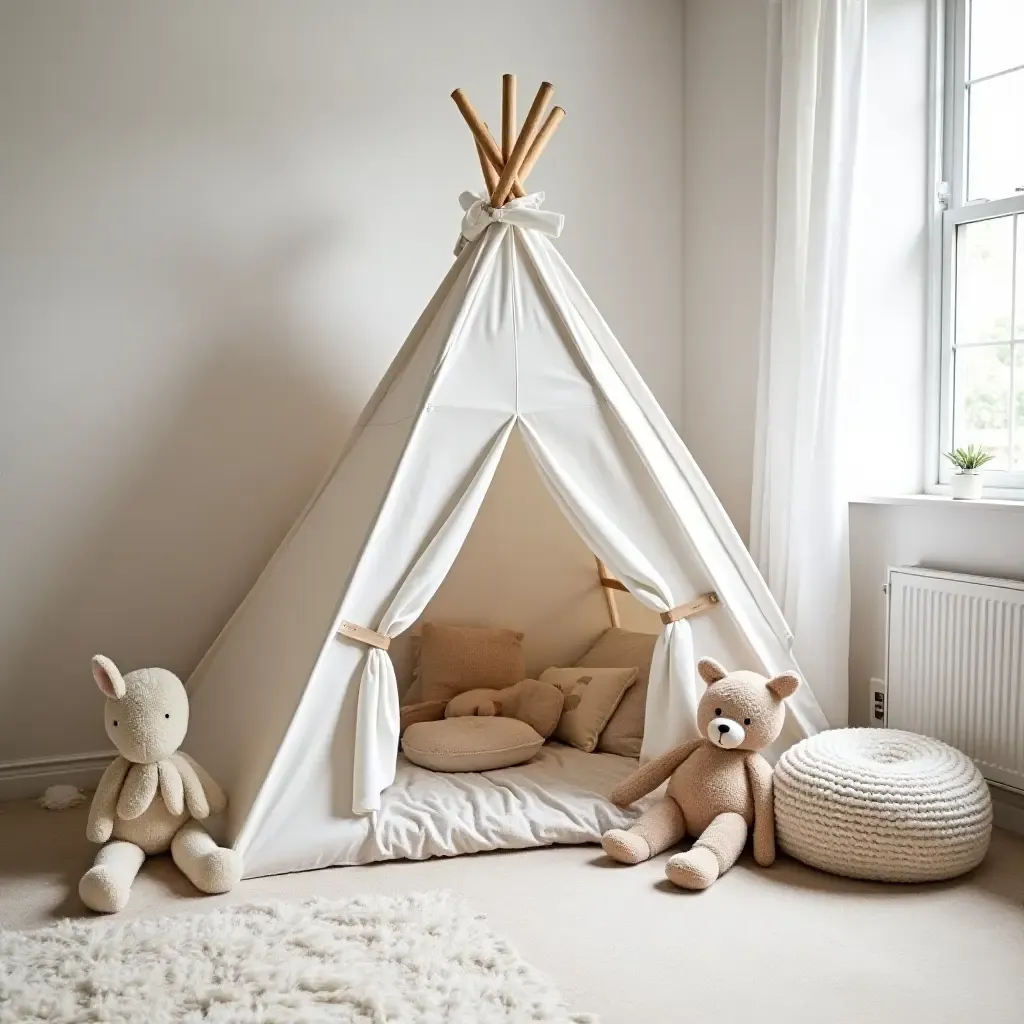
x: 940, y: 501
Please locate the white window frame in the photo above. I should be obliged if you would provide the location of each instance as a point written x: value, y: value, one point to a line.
x: 947, y: 165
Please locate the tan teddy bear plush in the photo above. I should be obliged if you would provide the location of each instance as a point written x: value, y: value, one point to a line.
x: 153, y: 796
x: 719, y: 785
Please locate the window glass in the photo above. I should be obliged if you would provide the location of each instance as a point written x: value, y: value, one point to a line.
x: 984, y: 281
x: 995, y: 136
x: 981, y: 407
x: 997, y: 36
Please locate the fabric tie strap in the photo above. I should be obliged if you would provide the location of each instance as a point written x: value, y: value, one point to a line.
x: 366, y: 636
x: 521, y: 213
x: 684, y: 611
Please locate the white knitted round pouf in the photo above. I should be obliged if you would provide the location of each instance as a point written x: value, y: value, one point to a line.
x: 882, y: 804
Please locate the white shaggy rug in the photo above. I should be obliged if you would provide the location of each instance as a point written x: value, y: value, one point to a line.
x: 424, y: 958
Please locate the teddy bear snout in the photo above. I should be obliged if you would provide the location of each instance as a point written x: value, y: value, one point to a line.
x: 724, y: 732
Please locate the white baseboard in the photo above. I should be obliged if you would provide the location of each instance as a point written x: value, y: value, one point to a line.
x: 1008, y: 810
x: 26, y: 779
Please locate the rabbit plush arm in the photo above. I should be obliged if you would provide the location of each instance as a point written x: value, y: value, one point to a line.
x: 648, y: 778
x: 759, y: 771
x: 137, y: 793
x: 215, y: 798
x: 172, y: 789
x: 101, y: 814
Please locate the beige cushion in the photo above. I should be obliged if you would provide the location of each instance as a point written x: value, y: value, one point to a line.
x: 454, y: 659
x: 620, y: 648
x: 470, y: 744
x: 599, y: 692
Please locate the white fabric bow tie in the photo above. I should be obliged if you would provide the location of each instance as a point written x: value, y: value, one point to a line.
x: 522, y: 213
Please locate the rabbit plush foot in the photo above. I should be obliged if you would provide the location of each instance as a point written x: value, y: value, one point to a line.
x: 625, y: 847
x: 209, y: 867
x: 106, y: 886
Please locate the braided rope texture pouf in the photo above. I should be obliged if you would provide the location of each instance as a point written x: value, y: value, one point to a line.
x: 882, y: 804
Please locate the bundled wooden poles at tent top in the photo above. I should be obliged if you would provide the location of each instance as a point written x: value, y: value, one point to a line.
x: 505, y: 169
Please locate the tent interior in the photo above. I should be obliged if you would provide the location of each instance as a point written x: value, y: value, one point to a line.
x: 523, y: 567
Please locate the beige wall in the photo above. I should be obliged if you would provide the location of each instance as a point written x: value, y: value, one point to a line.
x: 218, y: 222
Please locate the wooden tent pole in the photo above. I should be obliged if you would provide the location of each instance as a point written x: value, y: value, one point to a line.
x: 508, y: 116
x: 523, y: 143
x: 490, y: 174
x: 554, y: 119
x: 609, y: 592
x: 483, y: 137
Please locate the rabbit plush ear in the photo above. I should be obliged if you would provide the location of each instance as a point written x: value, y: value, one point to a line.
x: 710, y: 671
x: 108, y: 678
x: 784, y: 685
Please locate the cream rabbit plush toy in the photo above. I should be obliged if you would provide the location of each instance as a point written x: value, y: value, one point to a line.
x: 152, y: 797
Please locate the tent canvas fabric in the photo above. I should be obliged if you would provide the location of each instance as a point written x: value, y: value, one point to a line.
x: 300, y: 722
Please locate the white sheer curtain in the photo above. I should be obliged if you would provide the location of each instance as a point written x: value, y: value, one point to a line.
x: 799, y: 515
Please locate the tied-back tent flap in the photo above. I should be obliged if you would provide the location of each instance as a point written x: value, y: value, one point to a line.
x: 295, y: 706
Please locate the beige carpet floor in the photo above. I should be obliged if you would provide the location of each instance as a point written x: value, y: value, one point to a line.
x: 787, y: 945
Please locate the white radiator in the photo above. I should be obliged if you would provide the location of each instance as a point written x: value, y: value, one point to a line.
x: 955, y: 665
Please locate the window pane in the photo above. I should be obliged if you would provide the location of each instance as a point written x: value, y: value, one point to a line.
x: 981, y: 401
x: 1018, y: 408
x: 984, y: 280
x: 997, y: 36
x: 1020, y: 278
x: 995, y: 142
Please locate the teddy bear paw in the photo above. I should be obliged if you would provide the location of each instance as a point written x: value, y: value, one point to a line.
x: 695, y: 869
x: 100, y: 890
x: 625, y: 847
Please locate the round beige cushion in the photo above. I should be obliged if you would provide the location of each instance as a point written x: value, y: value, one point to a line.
x: 882, y: 804
x: 470, y: 744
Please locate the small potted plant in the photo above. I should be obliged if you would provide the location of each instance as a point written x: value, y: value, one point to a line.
x: 968, y: 461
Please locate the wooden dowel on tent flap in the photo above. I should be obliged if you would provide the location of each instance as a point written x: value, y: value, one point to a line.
x: 554, y: 119
x: 609, y: 592
x: 490, y: 174
x: 483, y: 137
x: 523, y: 143
x: 508, y: 116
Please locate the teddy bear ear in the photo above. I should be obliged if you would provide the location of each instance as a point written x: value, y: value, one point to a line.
x: 710, y: 671
x: 108, y: 678
x: 784, y: 685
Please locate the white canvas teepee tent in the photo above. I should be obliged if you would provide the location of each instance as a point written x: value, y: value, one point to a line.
x: 295, y: 707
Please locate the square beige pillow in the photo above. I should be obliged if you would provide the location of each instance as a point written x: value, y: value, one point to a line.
x: 621, y: 648
x: 458, y: 658
x: 591, y: 697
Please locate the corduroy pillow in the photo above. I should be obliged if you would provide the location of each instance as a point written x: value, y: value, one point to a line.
x: 458, y: 658
x: 621, y: 648
x: 591, y: 697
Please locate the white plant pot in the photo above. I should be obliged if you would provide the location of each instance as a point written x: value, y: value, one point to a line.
x: 967, y: 486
